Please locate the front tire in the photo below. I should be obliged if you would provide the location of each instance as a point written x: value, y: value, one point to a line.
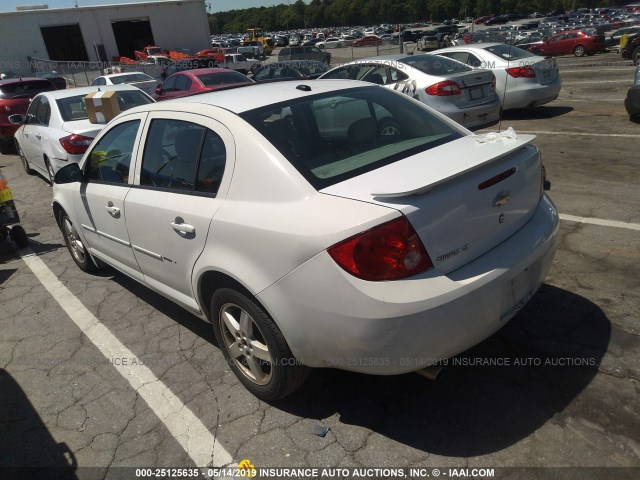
x: 254, y: 347
x: 76, y: 248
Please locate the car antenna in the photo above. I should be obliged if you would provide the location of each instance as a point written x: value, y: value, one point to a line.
x: 504, y: 92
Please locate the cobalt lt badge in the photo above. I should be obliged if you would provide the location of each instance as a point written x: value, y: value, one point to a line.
x: 501, y: 218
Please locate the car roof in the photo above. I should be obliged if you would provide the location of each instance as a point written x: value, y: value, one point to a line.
x: 8, y: 81
x: 256, y: 95
x: 113, y: 75
x: 72, y: 92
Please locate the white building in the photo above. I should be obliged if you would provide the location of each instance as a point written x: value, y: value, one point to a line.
x: 100, y: 33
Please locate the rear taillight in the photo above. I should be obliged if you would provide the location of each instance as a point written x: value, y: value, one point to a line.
x: 443, y: 89
x: 75, y: 144
x: 389, y: 251
x: 522, y: 72
x: 493, y: 83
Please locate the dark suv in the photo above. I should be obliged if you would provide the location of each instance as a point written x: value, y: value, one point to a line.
x: 631, y: 50
x: 304, y: 53
x: 15, y: 95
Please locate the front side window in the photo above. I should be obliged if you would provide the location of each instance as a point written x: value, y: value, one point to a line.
x: 183, y: 156
x: 110, y: 158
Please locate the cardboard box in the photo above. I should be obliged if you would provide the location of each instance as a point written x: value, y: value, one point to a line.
x: 102, y: 106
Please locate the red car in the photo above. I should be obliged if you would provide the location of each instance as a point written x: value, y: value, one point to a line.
x: 368, y: 41
x: 574, y: 42
x: 15, y: 95
x: 199, y: 80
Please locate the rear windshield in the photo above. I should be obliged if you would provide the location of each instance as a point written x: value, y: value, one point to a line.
x: 74, y: 108
x: 25, y: 89
x: 222, y: 78
x: 134, y: 77
x: 435, y: 65
x: 335, y: 136
x: 508, y: 52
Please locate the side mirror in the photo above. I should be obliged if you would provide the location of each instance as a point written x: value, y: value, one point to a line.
x: 17, y: 118
x: 68, y: 174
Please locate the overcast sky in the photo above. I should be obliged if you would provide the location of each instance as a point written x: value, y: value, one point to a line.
x: 216, y: 5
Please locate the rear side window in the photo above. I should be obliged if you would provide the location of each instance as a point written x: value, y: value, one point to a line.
x: 183, y: 156
x: 222, y: 78
x: 331, y: 137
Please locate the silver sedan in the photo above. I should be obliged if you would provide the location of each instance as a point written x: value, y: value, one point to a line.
x: 454, y: 89
x: 523, y: 79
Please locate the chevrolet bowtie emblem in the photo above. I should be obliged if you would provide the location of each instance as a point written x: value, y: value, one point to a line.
x: 501, y: 199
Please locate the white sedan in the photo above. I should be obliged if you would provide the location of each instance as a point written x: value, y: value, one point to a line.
x: 141, y: 80
x: 332, y: 42
x: 325, y: 241
x: 56, y: 129
x: 523, y: 80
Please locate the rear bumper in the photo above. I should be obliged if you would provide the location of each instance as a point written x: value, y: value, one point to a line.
x: 531, y: 95
x: 7, y: 130
x: 331, y: 319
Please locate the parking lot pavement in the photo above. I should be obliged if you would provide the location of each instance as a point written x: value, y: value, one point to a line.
x: 97, y: 371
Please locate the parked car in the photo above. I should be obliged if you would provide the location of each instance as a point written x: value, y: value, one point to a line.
x: 632, y: 102
x: 613, y: 39
x: 304, y: 53
x: 140, y: 80
x: 367, y: 41
x: 497, y: 20
x: 522, y: 79
x: 54, y: 77
x: 290, y: 70
x: 465, y: 95
x: 576, y: 42
x: 15, y: 95
x: 429, y: 41
x: 56, y: 129
x: 631, y: 50
x: 239, y: 63
x: 189, y: 82
x: 331, y: 42
x: 322, y: 240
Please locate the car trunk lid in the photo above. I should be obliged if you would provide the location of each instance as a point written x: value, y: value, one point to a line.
x: 463, y: 198
x: 477, y: 87
x: 83, y: 127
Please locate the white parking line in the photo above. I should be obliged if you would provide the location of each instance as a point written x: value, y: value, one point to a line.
x: 187, y: 429
x: 599, y: 221
x: 585, y: 82
x: 581, y: 134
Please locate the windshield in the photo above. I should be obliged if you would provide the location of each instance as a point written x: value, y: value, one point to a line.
x: 133, y: 77
x: 435, y: 65
x: 74, y: 108
x: 508, y: 52
x: 332, y: 137
x: 222, y: 78
x: 25, y: 89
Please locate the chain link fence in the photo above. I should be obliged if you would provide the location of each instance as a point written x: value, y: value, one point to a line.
x: 80, y: 74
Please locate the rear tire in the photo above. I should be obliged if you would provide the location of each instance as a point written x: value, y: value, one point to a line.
x: 50, y: 171
x: 579, y: 51
x: 76, y: 248
x: 254, y: 347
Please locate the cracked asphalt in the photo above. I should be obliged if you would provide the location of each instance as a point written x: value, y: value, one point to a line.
x: 557, y: 386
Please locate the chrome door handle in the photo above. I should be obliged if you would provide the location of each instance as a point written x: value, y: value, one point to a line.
x: 183, y: 227
x: 115, y: 211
